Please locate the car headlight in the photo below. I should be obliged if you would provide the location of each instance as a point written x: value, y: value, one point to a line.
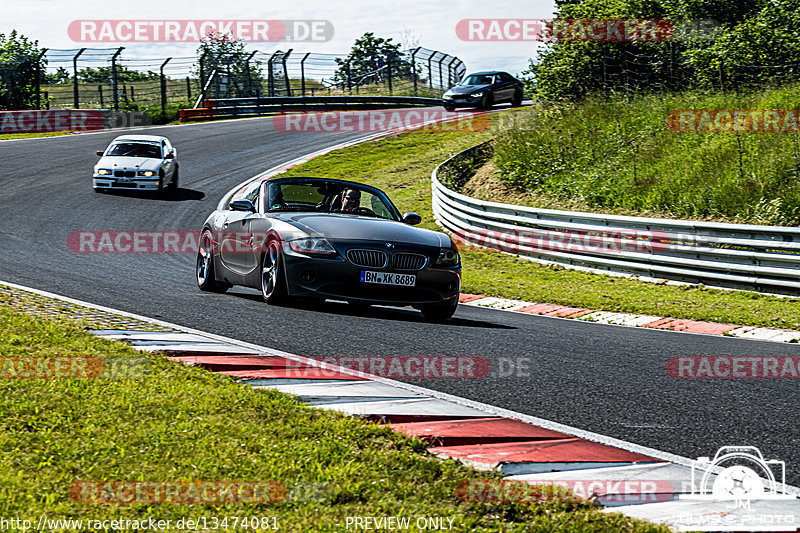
x: 448, y: 257
x: 447, y: 96
x: 104, y: 172
x: 147, y: 173
x: 477, y: 95
x: 312, y: 246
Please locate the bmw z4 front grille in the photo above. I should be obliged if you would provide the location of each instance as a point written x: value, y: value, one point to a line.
x: 406, y: 261
x: 367, y: 258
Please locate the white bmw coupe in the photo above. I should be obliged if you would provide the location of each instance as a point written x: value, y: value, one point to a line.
x: 140, y: 162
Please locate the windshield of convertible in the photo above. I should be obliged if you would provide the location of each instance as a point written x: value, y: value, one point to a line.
x: 328, y: 197
x: 134, y: 149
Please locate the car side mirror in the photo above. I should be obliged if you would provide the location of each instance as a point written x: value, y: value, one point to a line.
x: 242, y: 205
x: 100, y: 152
x: 169, y: 156
x: 412, y: 219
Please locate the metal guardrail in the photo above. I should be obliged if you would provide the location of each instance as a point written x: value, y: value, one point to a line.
x: 741, y: 256
x: 243, y: 107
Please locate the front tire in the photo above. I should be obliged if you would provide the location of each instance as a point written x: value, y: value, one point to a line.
x: 516, y: 101
x: 173, y: 186
x: 204, y: 271
x: 273, y: 280
x: 449, y: 108
x: 487, y: 101
x: 440, y: 312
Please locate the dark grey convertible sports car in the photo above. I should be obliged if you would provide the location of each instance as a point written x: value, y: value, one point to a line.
x: 318, y: 238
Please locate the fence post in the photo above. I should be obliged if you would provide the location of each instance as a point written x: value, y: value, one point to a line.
x: 100, y: 90
x: 286, y: 72
x: 303, y: 75
x: 450, y: 73
x: 249, y: 78
x: 441, y: 79
x: 47, y: 100
x: 347, y: 71
x: 114, y: 85
x: 271, y: 75
x: 163, y: 86
x: 188, y: 89
x: 430, y: 70
x: 414, y: 68
x: 75, y: 102
x: 202, y: 76
x: 389, y: 73
x: 38, y: 78
x: 133, y: 98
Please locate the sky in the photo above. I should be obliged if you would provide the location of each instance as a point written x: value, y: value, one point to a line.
x: 432, y: 23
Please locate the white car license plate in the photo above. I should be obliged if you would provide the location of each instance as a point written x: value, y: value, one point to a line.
x: 388, y: 278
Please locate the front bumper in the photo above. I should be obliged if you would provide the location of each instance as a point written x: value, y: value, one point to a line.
x: 462, y: 101
x: 340, y: 280
x: 138, y: 183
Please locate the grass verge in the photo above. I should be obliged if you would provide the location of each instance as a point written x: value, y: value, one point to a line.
x: 178, y: 423
x: 9, y: 136
x: 401, y: 165
x: 617, y: 153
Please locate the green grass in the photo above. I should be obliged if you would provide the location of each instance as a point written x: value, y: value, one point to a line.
x: 616, y: 154
x: 401, y: 165
x: 7, y: 136
x: 178, y: 423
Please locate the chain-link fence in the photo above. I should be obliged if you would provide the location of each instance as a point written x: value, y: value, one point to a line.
x: 107, y: 78
x: 632, y: 68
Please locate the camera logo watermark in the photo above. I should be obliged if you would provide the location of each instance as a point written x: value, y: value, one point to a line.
x: 170, y: 31
x: 734, y: 367
x: 738, y: 476
x: 583, y: 30
x: 734, y: 121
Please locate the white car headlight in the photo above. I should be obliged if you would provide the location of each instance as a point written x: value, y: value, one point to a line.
x: 147, y: 173
x: 477, y: 95
x: 312, y: 246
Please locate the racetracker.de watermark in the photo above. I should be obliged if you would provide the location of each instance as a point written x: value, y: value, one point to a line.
x: 536, y: 240
x: 378, y: 121
x: 180, y: 492
x: 54, y: 120
x: 604, y: 491
x: 170, y: 31
x: 73, y: 367
x: 584, y: 30
x: 734, y: 121
x: 734, y: 367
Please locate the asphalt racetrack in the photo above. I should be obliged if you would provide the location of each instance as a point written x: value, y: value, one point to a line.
x: 607, y: 379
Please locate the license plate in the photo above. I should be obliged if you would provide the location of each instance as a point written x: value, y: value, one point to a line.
x: 388, y: 278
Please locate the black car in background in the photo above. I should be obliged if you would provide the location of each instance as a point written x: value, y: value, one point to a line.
x: 318, y: 238
x: 484, y: 89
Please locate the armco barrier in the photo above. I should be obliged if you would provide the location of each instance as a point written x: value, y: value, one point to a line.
x: 248, y: 107
x: 750, y: 257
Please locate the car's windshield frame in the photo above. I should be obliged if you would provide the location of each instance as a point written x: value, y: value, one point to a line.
x: 469, y: 80
x: 110, y: 150
x: 329, y: 198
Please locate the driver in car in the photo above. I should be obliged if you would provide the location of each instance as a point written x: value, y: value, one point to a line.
x: 351, y: 199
